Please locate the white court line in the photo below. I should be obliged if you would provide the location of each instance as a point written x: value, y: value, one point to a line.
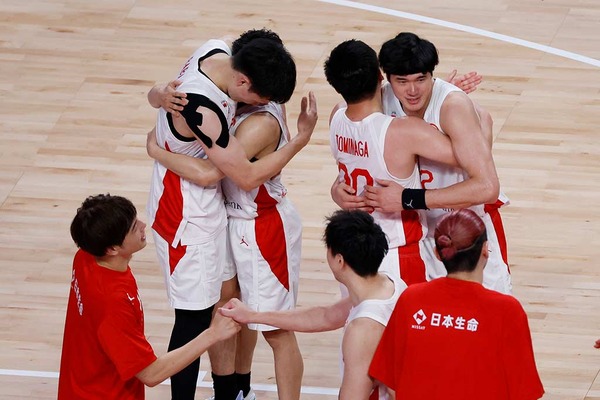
x: 469, y: 29
x: 201, y: 383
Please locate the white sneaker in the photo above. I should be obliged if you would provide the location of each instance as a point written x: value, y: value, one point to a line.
x: 240, y: 396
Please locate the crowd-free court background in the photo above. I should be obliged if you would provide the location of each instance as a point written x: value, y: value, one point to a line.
x: 74, y: 117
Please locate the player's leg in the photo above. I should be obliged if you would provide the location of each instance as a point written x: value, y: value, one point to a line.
x: 246, y: 343
x: 191, y: 274
x: 223, y: 354
x: 289, y: 366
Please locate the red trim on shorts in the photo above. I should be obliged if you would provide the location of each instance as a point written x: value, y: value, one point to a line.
x: 494, y: 212
x: 374, y: 394
x: 175, y: 255
x: 412, y: 266
x: 270, y: 236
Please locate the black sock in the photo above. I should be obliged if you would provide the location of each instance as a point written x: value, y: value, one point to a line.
x: 243, y: 382
x: 188, y: 325
x: 225, y: 386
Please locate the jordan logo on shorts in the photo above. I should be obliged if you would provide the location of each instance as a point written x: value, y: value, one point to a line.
x: 244, y: 242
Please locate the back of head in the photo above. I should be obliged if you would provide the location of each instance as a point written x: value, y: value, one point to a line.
x: 269, y: 66
x: 252, y: 34
x: 356, y: 236
x: 353, y: 71
x: 102, y: 221
x: 408, y: 54
x: 459, y: 238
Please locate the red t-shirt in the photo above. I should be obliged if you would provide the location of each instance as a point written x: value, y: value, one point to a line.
x: 104, y: 346
x: 454, y: 339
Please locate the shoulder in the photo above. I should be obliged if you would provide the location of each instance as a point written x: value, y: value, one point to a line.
x: 457, y: 99
x: 261, y: 119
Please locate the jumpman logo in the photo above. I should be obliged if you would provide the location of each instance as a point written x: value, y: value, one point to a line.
x: 409, y: 204
x: 244, y: 242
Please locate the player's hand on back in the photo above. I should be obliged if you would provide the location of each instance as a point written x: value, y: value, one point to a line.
x: 385, y: 197
x: 171, y: 100
x: 307, y: 118
x: 467, y: 83
x: 344, y: 196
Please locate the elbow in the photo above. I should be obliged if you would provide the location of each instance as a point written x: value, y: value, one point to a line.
x: 490, y: 191
x: 248, y: 185
x: 150, y: 381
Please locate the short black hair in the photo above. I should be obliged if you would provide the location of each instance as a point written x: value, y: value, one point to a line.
x: 353, y: 71
x: 252, y: 34
x: 101, y: 222
x: 408, y: 54
x: 358, y: 238
x: 269, y: 66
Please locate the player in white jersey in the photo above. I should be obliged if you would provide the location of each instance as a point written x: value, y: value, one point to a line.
x: 264, y: 234
x: 370, y: 146
x: 356, y: 246
x: 408, y: 62
x: 212, y: 80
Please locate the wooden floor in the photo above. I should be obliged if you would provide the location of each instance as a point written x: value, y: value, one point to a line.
x: 73, y: 119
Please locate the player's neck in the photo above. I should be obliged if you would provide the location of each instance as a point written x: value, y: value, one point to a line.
x: 358, y: 111
x: 471, y: 276
x: 378, y: 287
x: 218, y: 69
x: 115, y: 263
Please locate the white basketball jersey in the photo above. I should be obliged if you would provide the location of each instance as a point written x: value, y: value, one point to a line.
x: 379, y: 311
x: 358, y: 147
x: 247, y: 204
x: 181, y: 211
x: 434, y: 175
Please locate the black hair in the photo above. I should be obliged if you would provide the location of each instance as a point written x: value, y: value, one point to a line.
x: 356, y: 236
x: 353, y: 71
x: 102, y: 221
x: 252, y: 34
x: 269, y: 66
x: 408, y: 54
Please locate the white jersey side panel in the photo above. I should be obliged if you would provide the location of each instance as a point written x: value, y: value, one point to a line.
x: 181, y: 211
x: 246, y: 204
x: 358, y: 148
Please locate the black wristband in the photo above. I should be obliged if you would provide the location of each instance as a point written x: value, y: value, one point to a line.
x: 414, y: 199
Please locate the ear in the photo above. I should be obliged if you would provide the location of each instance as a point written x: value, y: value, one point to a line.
x: 112, y: 251
x: 485, y: 253
x: 380, y: 78
x: 242, y: 79
x: 437, y: 255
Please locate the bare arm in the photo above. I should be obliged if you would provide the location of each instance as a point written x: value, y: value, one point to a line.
x: 174, y: 361
x: 461, y: 124
x: 312, y: 319
x: 358, y: 346
x: 232, y: 160
x: 200, y: 171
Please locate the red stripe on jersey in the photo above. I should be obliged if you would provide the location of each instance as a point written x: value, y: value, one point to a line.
x: 270, y: 236
x: 170, y: 207
x: 412, y: 266
x: 494, y: 212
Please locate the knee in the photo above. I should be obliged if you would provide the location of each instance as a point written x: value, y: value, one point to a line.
x: 280, y: 338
